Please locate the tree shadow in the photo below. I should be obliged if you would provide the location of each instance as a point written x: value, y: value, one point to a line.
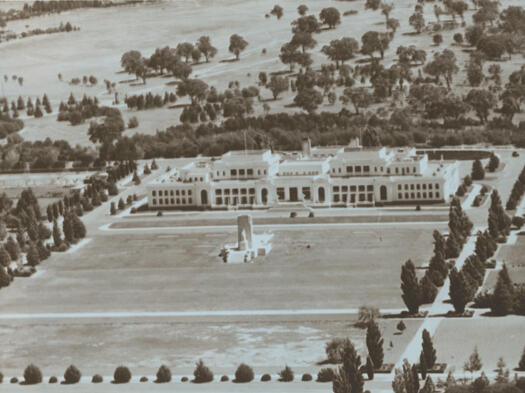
x: 411, y: 33
x: 228, y: 60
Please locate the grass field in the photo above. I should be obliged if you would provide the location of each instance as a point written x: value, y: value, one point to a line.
x: 456, y: 338
x: 144, y: 271
x: 98, y: 347
x: 512, y: 255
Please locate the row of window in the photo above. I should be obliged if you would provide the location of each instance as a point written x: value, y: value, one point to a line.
x: 171, y: 192
x: 242, y: 172
x: 360, y: 169
x: 353, y: 188
x: 303, y: 173
x: 423, y: 186
x: 418, y: 195
x: 235, y: 200
x: 172, y: 201
x: 234, y: 191
x: 352, y: 198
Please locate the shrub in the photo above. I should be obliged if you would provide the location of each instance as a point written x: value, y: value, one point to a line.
x: 32, y: 375
x: 334, y: 350
x: 121, y: 375
x: 518, y: 221
x: 293, y: 214
x: 133, y: 122
x: 164, y: 374
x: 72, y: 375
x: 244, y: 373
x: 159, y: 214
x: 286, y: 374
x: 401, y: 326
x: 53, y: 379
x: 184, y: 379
x: 97, y: 378
x: 225, y: 378
x: 202, y: 374
x: 266, y: 378
x: 144, y: 379
x: 311, y: 215
x: 482, y: 300
x: 306, y: 377
x: 13, y: 380
x: 325, y: 375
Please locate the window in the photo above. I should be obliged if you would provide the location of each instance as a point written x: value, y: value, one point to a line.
x: 437, y: 194
x: 349, y: 169
x: 243, y: 191
x: 400, y: 196
x: 171, y: 192
x: 250, y: 172
x: 233, y: 172
x: 412, y: 195
x: 154, y: 200
x: 235, y: 191
x: 430, y: 194
x: 353, y: 188
x: 183, y: 201
x: 160, y: 192
x: 366, y: 168
x: 361, y: 188
x: 218, y: 201
x: 370, y: 197
x: 172, y: 201
x: 252, y: 200
x: 241, y: 172
x: 358, y: 168
x: 218, y: 191
x: 218, y: 173
x: 352, y: 198
x: 430, y: 186
x: 177, y: 192
x: 411, y: 186
x: 424, y: 195
x: 178, y: 201
x: 396, y: 171
x: 336, y: 188
x: 224, y: 173
x: 265, y: 171
x: 258, y: 171
x: 362, y: 197
x: 252, y: 191
x: 399, y: 187
x: 414, y: 170
x: 336, y: 197
x: 437, y: 186
x: 388, y: 171
x: 344, y: 188
x: 183, y: 192
x: 370, y: 188
x: 244, y: 200
x: 201, y: 179
x: 189, y: 192
x: 419, y: 195
x: 280, y: 193
x: 226, y: 201
x: 406, y: 195
x: 154, y: 193
x: 227, y: 191
x: 418, y: 186
x: 406, y: 186
x: 306, y: 193
x: 424, y: 186
x: 189, y: 201
x: 339, y: 170
x: 343, y: 197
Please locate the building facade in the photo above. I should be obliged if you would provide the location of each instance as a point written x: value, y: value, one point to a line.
x: 316, y: 177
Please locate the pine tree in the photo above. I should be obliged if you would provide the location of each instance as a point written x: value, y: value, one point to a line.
x: 427, y: 351
x: 453, y: 247
x: 478, y: 173
x: 121, y: 204
x: 429, y: 386
x: 79, y: 229
x: 112, y: 209
x: 38, y: 112
x: 5, y: 279
x: 374, y: 343
x: 423, y: 368
x: 404, y: 380
x: 369, y: 368
x: 33, y: 256
x: 57, y: 236
x: 473, y: 363
x: 415, y: 378
x: 502, y: 299
x: 43, y: 252
x: 410, y: 287
x: 493, y: 163
x: 348, y: 377
x: 439, y: 243
x: 12, y: 248
x: 67, y: 229
x: 503, y: 374
x: 136, y: 178
x: 460, y: 292
x: 428, y: 289
x: 49, y: 212
x: 521, y: 364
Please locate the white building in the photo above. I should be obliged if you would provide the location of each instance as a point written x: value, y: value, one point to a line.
x: 317, y: 177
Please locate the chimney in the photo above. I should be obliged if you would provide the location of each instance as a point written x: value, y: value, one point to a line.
x: 307, y: 147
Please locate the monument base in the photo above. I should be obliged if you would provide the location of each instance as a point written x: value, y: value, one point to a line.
x: 261, y: 246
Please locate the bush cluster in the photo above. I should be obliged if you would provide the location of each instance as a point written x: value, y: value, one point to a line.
x: 244, y: 373
x: 149, y: 100
x: 121, y: 375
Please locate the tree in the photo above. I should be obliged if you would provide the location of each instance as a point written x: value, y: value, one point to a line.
x: 33, y: 257
x: 243, y: 374
x: 206, y: 48
x: 473, y: 363
x: 72, y: 375
x: 32, y: 375
x: 5, y: 258
x: 503, y: 375
x: 460, y: 292
x: 303, y: 39
x: 475, y: 73
x: 341, y: 50
x: 410, y: 287
x: 67, y: 228
x: 443, y: 64
x: 392, y: 24
x: 502, y: 299
x: 372, y: 4
x: 302, y: 9
x: 438, y: 39
x: 482, y: 101
x: 179, y: 69
x: 12, y: 248
x: 478, y: 173
x: 405, y: 381
x: 369, y: 366
x: 202, y: 373
x: 184, y: 49
x: 427, y: 350
x: 277, y: 11
x: 374, y: 344
x: 133, y: 63
x: 163, y: 374
x: 196, y: 55
x: 348, y: 377
x: 373, y: 41
x: 429, y: 386
x: 306, y: 24
x: 57, y: 235
x: 289, y: 54
x: 330, y: 16
x: 277, y: 85
x: 521, y: 364
x: 428, y: 289
x: 458, y: 38
x: 237, y: 45
x: 308, y: 99
x: 386, y: 9
x: 360, y: 97
x: 194, y: 88
x: 417, y: 21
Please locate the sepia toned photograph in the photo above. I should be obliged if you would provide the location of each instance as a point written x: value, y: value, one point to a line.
x: 255, y: 196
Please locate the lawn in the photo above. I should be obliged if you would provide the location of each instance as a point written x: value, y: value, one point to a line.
x: 315, y: 268
x: 495, y: 337
x: 512, y: 255
x: 99, y: 346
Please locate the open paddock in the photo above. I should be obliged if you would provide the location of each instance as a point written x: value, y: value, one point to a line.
x: 495, y: 337
x: 512, y: 256
x: 165, y: 270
